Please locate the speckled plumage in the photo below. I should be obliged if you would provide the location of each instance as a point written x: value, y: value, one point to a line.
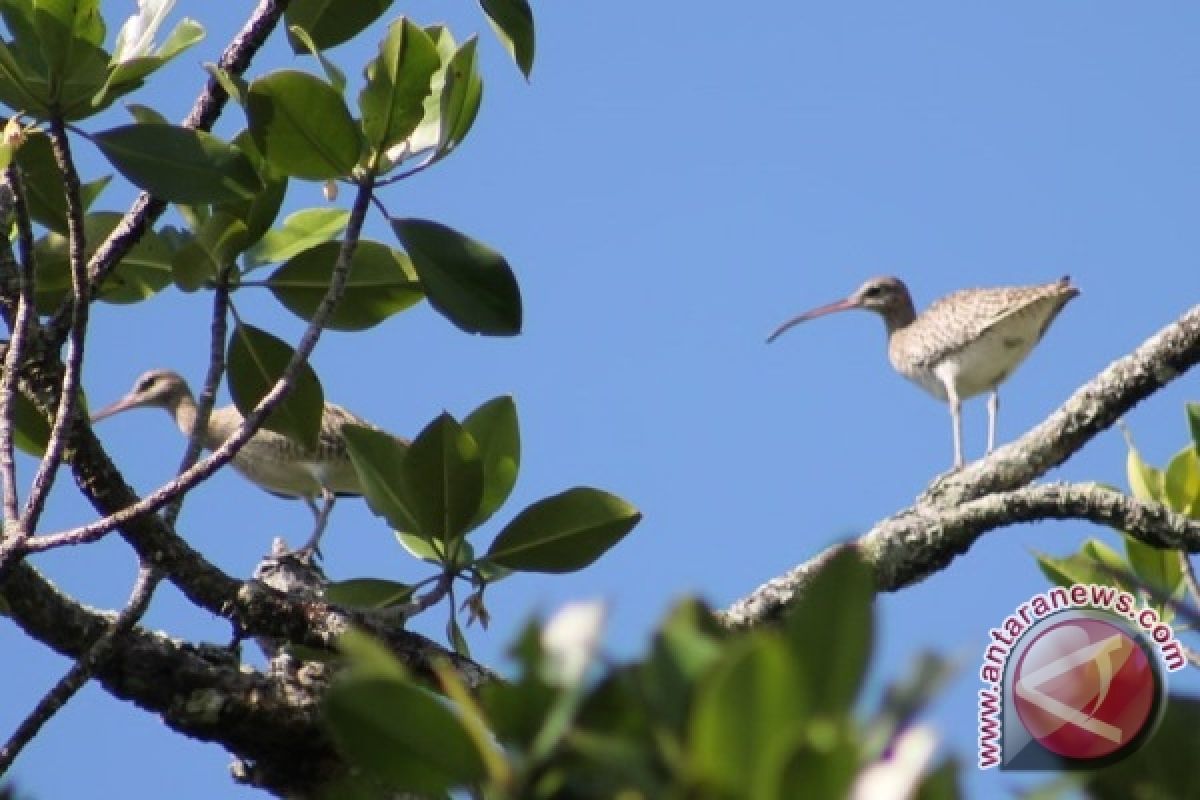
x: 270, y: 460
x: 964, y: 344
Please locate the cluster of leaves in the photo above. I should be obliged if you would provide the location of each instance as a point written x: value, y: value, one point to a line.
x: 420, y: 96
x: 450, y: 480
x: 1154, y: 575
x: 705, y: 713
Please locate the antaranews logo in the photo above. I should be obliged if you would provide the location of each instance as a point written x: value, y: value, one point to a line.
x: 1073, y: 678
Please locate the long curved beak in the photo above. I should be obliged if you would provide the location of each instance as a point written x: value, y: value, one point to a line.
x: 845, y: 304
x: 124, y: 404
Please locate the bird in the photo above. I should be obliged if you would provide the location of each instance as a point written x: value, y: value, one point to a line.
x: 964, y: 344
x: 271, y: 461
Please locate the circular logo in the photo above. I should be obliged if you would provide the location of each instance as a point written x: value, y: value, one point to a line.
x: 1085, y: 688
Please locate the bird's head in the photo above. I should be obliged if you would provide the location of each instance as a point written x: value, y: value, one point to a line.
x: 885, y: 295
x: 158, y: 388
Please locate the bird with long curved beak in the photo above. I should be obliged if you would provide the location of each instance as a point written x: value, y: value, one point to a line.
x: 271, y: 461
x: 964, y: 344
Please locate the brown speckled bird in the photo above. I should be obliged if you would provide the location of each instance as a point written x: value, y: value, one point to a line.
x: 964, y: 344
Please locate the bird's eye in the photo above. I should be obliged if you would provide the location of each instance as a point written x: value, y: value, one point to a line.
x: 873, y: 291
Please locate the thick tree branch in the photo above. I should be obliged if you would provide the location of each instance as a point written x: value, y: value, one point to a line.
x: 959, y: 507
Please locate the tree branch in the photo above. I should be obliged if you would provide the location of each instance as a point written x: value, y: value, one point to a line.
x: 959, y: 507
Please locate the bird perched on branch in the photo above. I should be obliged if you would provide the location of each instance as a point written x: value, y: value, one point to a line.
x: 272, y: 461
x: 964, y: 344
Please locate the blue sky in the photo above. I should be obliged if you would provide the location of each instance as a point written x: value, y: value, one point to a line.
x: 676, y: 181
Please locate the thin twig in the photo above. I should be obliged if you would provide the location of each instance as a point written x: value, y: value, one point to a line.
x: 250, y: 425
x: 13, y: 357
x: 68, y: 398
x: 83, y: 669
x: 208, y: 392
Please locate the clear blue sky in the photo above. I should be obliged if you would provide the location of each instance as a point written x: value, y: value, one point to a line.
x: 677, y: 180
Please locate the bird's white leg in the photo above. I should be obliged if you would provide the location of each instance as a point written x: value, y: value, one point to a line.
x: 948, y: 375
x: 321, y: 515
x: 993, y: 406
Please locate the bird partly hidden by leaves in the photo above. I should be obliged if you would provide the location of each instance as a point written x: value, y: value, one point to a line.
x: 271, y: 461
x: 964, y: 344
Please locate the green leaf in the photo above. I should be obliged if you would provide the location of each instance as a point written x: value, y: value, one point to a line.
x: 69, y: 33
x: 565, y: 532
x: 179, y: 165
x: 1181, y: 482
x: 20, y: 85
x: 1193, y: 415
x: 434, y: 551
x: 131, y: 73
x: 467, y: 281
x: 456, y: 638
x: 331, y: 22
x: 213, y: 247
x: 1158, y: 568
x: 44, y: 191
x: 143, y: 271
x: 368, y: 593
x: 381, y: 283
x: 1145, y: 481
x: 494, y: 428
x: 815, y: 760
x: 684, y: 648
x: 256, y: 360
x: 754, y: 693
x: 299, y: 232
x: 234, y: 85
x: 31, y: 430
x: 1095, y: 562
x: 830, y: 630
x: 398, y: 80
x: 452, y: 105
x: 258, y: 212
x: 302, y: 126
x: 336, y: 77
x: 442, y: 477
x: 378, y: 457
x: 403, y: 735
x: 512, y: 20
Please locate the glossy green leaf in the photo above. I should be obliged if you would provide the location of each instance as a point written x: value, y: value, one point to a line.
x: 453, y: 103
x: 456, y: 638
x: 435, y: 551
x: 179, y: 165
x: 1193, y: 415
x: 398, y: 81
x: 131, y: 73
x: 401, y: 734
x: 495, y: 430
x: 20, y: 87
x: 256, y: 360
x: 145, y: 115
x: 145, y: 270
x: 302, y: 126
x: 213, y: 247
x: 259, y: 212
x: 31, y: 430
x: 368, y: 593
x: 830, y: 629
x: 44, y: 192
x: 512, y: 20
x: 331, y: 22
x: 1145, y: 481
x: 1181, y: 482
x: 299, y: 232
x: 336, y: 77
x: 820, y: 759
x: 235, y: 86
x: 73, y: 64
x: 468, y: 282
x: 381, y: 283
x: 1158, y: 568
x: 756, y: 691
x: 442, y: 476
x: 1095, y: 562
x: 378, y: 458
x: 564, y: 532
